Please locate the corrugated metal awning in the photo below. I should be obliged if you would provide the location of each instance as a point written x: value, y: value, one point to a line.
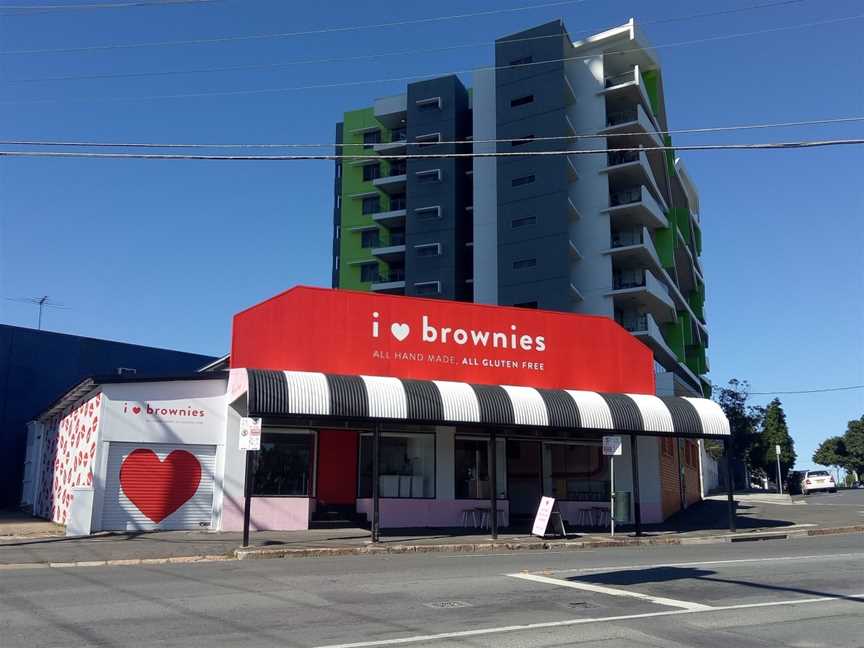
x: 299, y: 393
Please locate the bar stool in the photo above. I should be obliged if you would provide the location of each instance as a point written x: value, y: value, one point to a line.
x: 600, y: 515
x: 583, y: 518
x: 485, y: 515
x: 469, y: 518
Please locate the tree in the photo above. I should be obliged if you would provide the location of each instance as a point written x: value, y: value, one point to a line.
x: 831, y: 452
x: 774, y: 432
x: 853, y: 443
x: 743, y: 419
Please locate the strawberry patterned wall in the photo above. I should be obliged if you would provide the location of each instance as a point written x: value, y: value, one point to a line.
x: 67, y: 459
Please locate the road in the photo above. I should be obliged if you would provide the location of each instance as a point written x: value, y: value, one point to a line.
x: 803, y: 592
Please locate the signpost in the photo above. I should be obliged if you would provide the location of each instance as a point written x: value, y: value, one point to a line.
x: 612, y: 449
x: 779, y: 479
x: 250, y: 441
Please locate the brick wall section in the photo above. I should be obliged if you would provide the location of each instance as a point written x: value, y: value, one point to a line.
x: 690, y: 455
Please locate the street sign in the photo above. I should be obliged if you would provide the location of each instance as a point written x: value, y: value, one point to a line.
x: 612, y: 446
x: 250, y: 433
x: 777, y: 449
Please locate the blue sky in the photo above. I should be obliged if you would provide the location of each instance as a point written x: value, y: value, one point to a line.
x: 163, y: 253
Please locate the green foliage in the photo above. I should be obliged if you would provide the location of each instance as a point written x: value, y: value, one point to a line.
x: 831, y: 452
x: 744, y: 419
x: 845, y: 452
x: 774, y: 432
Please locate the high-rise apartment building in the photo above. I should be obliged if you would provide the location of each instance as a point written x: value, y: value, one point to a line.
x: 615, y: 234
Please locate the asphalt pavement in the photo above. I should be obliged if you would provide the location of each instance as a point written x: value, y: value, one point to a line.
x: 796, y: 592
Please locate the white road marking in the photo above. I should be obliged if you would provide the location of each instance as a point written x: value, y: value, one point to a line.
x: 572, y: 622
x: 612, y: 591
x: 539, y: 554
x: 706, y: 562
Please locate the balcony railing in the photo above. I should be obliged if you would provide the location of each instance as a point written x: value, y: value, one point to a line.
x: 397, y: 238
x: 396, y: 170
x: 397, y: 203
x: 620, y: 282
x: 633, y: 323
x: 627, y: 237
x: 622, y: 157
x: 390, y: 277
x: 622, y: 117
x: 618, y: 79
x: 626, y: 197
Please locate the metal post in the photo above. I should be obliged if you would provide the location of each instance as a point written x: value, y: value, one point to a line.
x: 612, y: 495
x: 730, y: 490
x: 637, y: 506
x: 376, y: 478
x: 247, y: 497
x: 493, y: 484
x: 779, y: 477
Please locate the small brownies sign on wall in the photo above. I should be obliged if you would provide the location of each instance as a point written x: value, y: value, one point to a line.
x: 346, y: 332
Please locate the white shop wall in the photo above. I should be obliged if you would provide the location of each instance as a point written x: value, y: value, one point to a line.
x: 163, y: 416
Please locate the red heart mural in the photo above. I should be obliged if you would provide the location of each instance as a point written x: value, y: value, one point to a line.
x: 158, y: 488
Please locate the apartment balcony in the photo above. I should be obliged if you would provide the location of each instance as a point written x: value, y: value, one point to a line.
x: 634, y: 122
x: 392, y: 282
x: 632, y: 169
x: 391, y: 111
x: 634, y: 248
x: 391, y: 219
x: 640, y: 289
x: 627, y: 89
x: 397, y: 147
x: 645, y: 329
x: 394, y: 182
x: 394, y: 251
x: 636, y: 206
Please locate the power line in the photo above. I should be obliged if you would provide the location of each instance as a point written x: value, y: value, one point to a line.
x: 311, y: 32
x: 591, y: 135
x: 32, y: 9
x: 807, y: 391
x: 174, y: 156
x: 343, y: 84
x: 372, y: 56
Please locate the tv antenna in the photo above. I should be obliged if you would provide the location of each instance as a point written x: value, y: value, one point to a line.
x: 42, y: 302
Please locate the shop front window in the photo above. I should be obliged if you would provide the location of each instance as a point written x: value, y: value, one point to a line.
x: 471, y: 462
x: 407, y: 465
x: 284, y: 464
x: 576, y: 472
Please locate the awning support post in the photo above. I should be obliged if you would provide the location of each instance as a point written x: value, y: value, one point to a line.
x: 493, y: 484
x: 376, y: 478
x: 637, y: 505
x: 730, y: 488
x: 247, y: 497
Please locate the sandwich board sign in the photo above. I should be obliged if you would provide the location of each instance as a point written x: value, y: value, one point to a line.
x: 250, y: 433
x: 547, y: 509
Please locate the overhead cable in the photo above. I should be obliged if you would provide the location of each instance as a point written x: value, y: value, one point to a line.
x: 343, y: 84
x: 430, y: 156
x: 524, y: 140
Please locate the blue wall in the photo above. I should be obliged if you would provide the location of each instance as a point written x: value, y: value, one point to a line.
x: 37, y: 367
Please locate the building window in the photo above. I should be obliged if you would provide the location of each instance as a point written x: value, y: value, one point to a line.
x: 428, y: 177
x: 471, y: 462
x: 522, y: 140
x: 575, y: 471
x: 523, y: 221
x: 369, y: 272
x: 338, y: 169
x: 338, y: 201
x: 428, y: 249
x: 406, y: 468
x: 370, y: 138
x: 284, y: 464
x: 522, y: 101
x: 370, y: 238
x: 371, y: 172
x: 522, y: 180
x: 525, y: 60
x: 428, y: 213
x: 372, y: 205
x: 427, y: 288
x: 529, y: 304
x: 522, y: 264
x: 427, y: 105
x: 397, y: 202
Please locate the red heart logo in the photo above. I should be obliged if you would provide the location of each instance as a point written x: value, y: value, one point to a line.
x: 136, y: 410
x: 158, y: 488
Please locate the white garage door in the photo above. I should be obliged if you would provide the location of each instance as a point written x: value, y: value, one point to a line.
x: 158, y: 486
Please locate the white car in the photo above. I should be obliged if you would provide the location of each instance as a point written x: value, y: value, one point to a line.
x: 817, y: 480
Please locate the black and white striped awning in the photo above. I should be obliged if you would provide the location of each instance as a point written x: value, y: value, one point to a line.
x: 299, y: 393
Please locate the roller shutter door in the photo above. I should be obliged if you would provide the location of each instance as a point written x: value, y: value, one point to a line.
x: 158, y: 486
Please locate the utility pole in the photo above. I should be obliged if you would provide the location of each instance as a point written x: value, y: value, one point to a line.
x: 779, y: 479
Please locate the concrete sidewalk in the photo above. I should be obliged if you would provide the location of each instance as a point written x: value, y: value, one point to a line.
x: 703, y: 523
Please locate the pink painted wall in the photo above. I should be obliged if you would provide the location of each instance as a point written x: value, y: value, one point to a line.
x: 268, y: 514
x: 403, y: 513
